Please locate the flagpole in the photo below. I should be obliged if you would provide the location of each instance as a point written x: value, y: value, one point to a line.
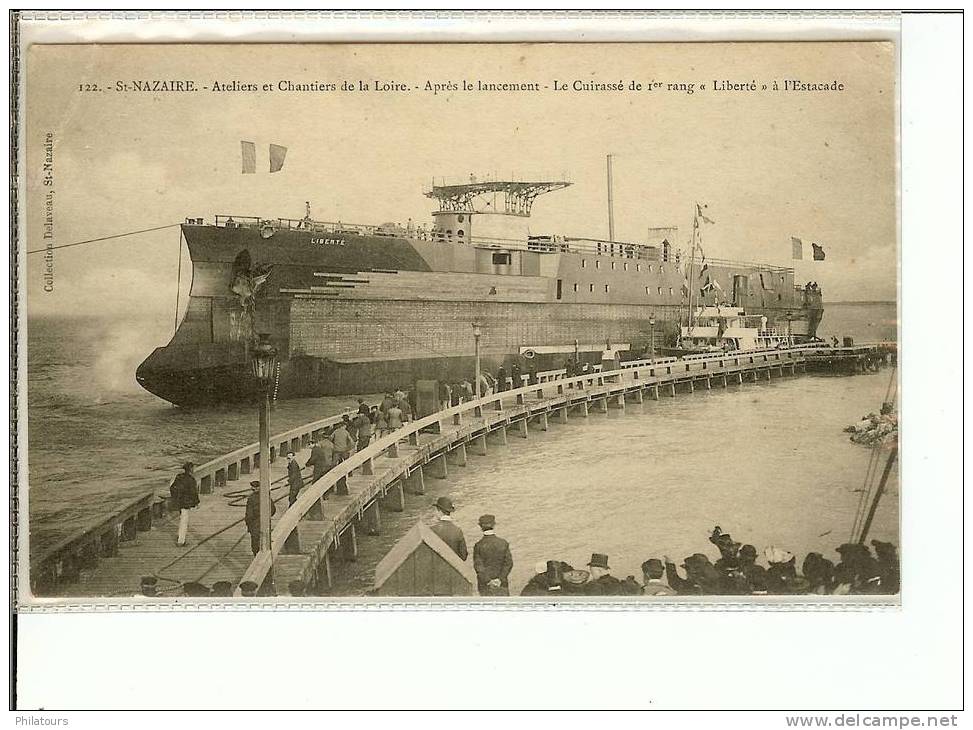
x: 692, y: 267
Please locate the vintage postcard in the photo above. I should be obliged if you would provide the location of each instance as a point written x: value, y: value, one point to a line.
x: 503, y: 324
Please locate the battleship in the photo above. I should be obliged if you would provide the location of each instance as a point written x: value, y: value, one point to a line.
x: 357, y: 308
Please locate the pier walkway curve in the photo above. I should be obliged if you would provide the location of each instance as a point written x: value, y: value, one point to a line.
x: 325, y: 522
x: 331, y: 514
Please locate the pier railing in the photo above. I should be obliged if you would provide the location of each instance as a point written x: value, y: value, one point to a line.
x: 560, y: 392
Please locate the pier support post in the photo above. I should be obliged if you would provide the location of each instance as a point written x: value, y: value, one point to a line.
x: 415, y: 482
x: 672, y: 390
x: 739, y: 378
x: 109, y: 544
x: 349, y: 543
x: 316, y: 512
x: 372, y: 519
x: 601, y: 404
x: 542, y: 421
x: 562, y: 414
x: 754, y: 373
x: 324, y: 576
x: 395, y: 497
x: 437, y: 467
x: 457, y: 456
x: 292, y: 543
x: 88, y: 555
x: 638, y: 396
x: 709, y: 383
x: 521, y: 428
x: 768, y: 373
x: 499, y: 435
x: 692, y: 386
x: 724, y: 380
x: 479, y: 445
x: 655, y: 392
x: 620, y: 400
x: 128, y: 529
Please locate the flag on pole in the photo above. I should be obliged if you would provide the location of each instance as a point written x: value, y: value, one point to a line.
x: 797, y: 247
x: 249, y: 150
x: 817, y: 252
x: 277, y: 153
x: 699, y: 213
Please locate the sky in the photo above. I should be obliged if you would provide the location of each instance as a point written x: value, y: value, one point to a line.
x: 819, y: 165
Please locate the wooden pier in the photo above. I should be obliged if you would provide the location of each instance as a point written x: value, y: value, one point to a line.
x: 345, y: 505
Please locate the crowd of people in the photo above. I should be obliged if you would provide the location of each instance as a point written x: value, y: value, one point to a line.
x: 735, y: 572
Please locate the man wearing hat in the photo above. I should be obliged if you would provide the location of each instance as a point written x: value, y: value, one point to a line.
x: 447, y: 530
x: 252, y: 515
x: 492, y: 560
x: 185, y: 496
x: 294, y: 478
x: 321, y: 458
x: 343, y: 442
x: 652, y: 572
x: 601, y: 582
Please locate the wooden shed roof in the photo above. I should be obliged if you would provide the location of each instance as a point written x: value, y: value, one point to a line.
x: 401, y: 551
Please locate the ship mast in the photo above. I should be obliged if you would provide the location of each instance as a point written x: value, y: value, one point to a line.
x: 692, y: 266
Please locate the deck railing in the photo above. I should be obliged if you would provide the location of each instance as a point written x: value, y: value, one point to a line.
x: 542, y: 244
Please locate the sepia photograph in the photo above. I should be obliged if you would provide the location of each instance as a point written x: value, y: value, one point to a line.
x: 504, y: 324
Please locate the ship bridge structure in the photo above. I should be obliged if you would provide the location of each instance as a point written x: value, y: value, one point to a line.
x: 517, y: 197
x: 501, y: 209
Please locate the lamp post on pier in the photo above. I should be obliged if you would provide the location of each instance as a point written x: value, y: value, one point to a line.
x: 476, y: 357
x: 263, y: 360
x: 652, y: 338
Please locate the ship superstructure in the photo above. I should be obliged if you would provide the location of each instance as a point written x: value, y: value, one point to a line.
x: 364, y: 308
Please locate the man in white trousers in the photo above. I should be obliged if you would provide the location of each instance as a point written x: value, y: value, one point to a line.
x: 185, y: 496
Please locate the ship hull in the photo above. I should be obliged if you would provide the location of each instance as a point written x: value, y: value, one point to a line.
x: 359, y: 314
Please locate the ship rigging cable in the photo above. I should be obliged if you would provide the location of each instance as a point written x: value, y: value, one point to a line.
x: 869, y: 495
x: 104, y: 238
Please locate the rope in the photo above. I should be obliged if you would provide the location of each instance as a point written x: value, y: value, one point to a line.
x: 235, y: 498
x: 104, y: 238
